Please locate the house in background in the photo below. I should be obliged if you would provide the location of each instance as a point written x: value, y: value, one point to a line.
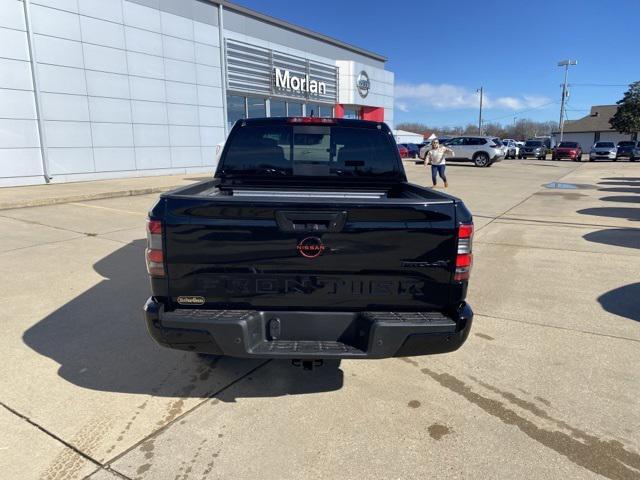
x: 593, y: 128
x: 403, y: 136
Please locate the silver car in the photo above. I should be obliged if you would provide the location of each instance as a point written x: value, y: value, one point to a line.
x: 533, y: 148
x: 482, y: 151
x: 606, y: 150
x: 422, y: 153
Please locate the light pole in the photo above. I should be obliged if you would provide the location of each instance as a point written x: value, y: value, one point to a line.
x: 565, y: 64
x: 481, y: 91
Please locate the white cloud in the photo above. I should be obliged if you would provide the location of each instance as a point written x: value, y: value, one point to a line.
x: 446, y: 96
x: 504, y: 102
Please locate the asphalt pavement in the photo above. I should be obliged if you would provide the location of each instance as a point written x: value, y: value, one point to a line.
x: 547, y: 385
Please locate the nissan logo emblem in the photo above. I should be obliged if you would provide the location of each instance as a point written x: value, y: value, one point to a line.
x: 310, y: 247
x: 363, y: 84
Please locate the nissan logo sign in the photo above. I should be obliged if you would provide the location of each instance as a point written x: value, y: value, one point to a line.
x: 363, y: 84
x: 310, y: 247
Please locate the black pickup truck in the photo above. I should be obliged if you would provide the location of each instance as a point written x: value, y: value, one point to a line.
x: 309, y: 243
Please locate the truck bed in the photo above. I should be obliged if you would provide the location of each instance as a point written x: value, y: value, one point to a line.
x: 402, y: 193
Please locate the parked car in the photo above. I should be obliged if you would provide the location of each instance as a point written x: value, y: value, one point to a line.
x: 321, y: 277
x: 482, y: 151
x: 606, y: 150
x: 511, y: 148
x: 570, y: 150
x: 625, y: 149
x: 636, y: 153
x: 422, y: 153
x: 413, y: 149
x: 533, y: 148
x: 507, y: 140
x: 403, y: 151
x: 546, y: 140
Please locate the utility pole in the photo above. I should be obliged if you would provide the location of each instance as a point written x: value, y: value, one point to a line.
x: 481, y: 91
x: 565, y: 64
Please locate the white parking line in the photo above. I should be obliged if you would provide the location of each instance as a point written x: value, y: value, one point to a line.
x: 108, y: 208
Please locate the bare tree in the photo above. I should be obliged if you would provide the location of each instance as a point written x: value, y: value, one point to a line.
x: 522, y: 130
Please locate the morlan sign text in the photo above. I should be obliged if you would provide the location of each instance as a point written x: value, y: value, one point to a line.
x: 284, y: 80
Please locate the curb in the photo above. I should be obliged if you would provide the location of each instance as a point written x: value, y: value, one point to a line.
x: 84, y: 197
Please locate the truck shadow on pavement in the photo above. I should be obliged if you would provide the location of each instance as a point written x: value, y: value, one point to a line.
x: 618, y: 237
x: 622, y: 301
x: 100, y: 341
x: 628, y: 213
x: 621, y: 199
x: 620, y: 190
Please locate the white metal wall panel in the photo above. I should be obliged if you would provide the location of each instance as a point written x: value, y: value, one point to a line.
x: 20, y: 153
x: 110, y: 71
x: 251, y: 69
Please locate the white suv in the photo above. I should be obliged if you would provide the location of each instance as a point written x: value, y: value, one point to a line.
x: 512, y: 148
x: 482, y: 151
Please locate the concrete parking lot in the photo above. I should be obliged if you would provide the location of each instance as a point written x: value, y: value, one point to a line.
x: 547, y: 385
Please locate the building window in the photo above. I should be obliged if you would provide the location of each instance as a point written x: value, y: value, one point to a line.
x: 236, y: 109
x: 256, y: 107
x: 352, y: 112
x: 323, y: 110
x: 277, y: 108
x: 327, y: 111
x: 313, y: 110
x: 294, y: 109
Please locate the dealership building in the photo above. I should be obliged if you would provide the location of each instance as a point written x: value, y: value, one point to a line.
x: 96, y: 89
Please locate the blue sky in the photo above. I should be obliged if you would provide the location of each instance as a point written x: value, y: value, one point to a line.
x: 442, y: 52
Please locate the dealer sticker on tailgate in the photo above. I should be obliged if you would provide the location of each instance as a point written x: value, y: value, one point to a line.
x: 191, y: 300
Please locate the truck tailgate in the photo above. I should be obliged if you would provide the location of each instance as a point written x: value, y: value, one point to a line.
x: 296, y: 256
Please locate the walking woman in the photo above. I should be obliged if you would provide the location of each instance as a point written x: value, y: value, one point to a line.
x: 435, y: 158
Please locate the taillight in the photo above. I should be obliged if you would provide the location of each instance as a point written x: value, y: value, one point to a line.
x: 153, y: 253
x: 464, y: 257
x: 312, y: 120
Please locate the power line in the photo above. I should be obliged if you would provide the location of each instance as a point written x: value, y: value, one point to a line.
x: 598, y: 84
x: 521, y: 111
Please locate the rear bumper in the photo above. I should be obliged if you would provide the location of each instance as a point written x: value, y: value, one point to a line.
x: 609, y: 156
x: 311, y: 335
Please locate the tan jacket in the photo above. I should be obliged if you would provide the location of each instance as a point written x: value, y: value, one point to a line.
x: 437, y: 156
